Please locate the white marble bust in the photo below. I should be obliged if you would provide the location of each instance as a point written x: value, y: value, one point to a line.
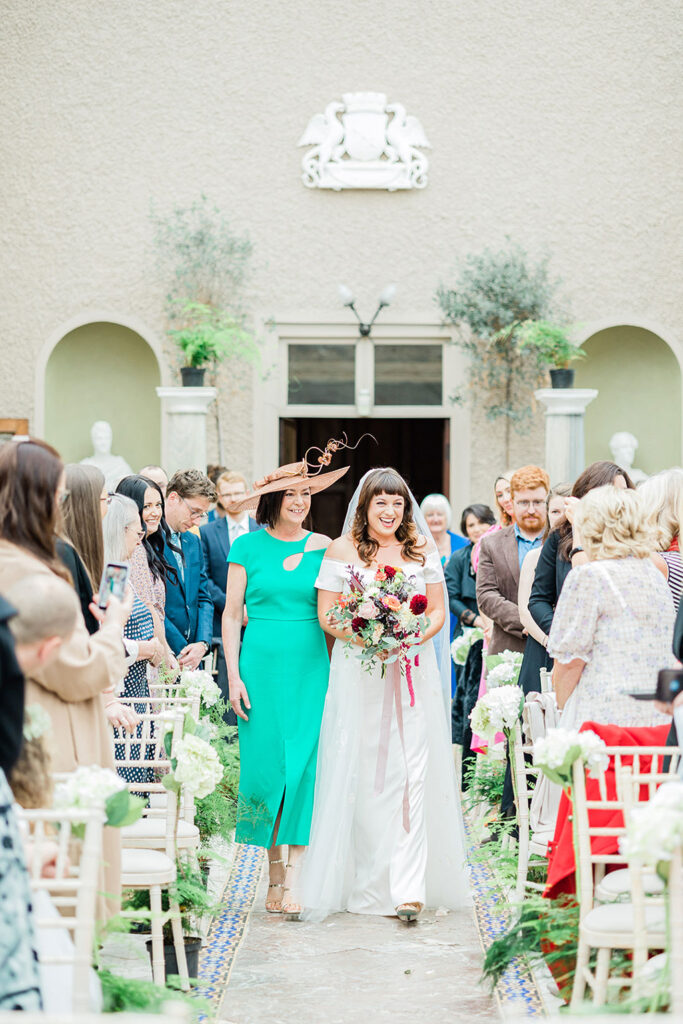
x: 623, y: 447
x: 114, y: 467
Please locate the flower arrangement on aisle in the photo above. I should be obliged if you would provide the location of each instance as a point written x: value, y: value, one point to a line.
x: 199, y: 683
x: 655, y: 829
x: 497, y: 711
x: 556, y: 752
x: 194, y: 762
x: 92, y: 788
x: 387, y: 615
x: 462, y: 644
x: 503, y: 669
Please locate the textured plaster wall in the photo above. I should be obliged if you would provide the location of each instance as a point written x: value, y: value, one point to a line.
x: 555, y: 124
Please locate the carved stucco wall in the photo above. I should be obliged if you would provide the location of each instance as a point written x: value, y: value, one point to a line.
x: 555, y: 124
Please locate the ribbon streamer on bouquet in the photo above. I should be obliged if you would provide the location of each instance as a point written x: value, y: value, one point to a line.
x: 392, y: 695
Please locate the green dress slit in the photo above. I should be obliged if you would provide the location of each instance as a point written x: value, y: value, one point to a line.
x: 285, y: 667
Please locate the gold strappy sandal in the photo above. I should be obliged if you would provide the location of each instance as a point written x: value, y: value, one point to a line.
x: 275, y: 906
x: 291, y: 911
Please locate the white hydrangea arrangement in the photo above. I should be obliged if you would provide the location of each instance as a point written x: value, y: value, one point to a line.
x: 197, y: 765
x: 503, y: 669
x: 36, y: 722
x: 92, y: 788
x: 556, y: 752
x: 198, y: 683
x: 194, y: 763
x: 655, y: 829
x: 497, y: 711
x: 460, y: 647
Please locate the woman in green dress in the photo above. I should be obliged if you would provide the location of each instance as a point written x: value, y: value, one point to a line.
x: 278, y: 679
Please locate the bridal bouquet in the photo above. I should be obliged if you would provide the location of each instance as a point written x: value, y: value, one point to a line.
x: 386, y: 614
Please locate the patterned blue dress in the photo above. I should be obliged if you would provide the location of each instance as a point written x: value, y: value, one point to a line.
x: 140, y: 626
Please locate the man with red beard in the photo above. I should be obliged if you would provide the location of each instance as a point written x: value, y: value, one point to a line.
x: 502, y: 554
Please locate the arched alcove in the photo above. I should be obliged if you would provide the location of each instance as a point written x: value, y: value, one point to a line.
x: 638, y: 378
x: 103, y: 371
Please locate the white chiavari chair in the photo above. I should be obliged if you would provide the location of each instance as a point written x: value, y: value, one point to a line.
x: 637, y: 925
x: 72, y: 891
x: 153, y: 867
x: 532, y: 848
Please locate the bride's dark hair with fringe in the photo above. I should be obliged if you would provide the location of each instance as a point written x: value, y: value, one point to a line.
x: 385, y: 481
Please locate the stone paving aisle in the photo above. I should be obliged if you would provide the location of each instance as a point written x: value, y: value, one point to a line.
x: 357, y: 970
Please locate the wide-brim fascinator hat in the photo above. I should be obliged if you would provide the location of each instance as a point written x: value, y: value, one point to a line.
x: 296, y: 474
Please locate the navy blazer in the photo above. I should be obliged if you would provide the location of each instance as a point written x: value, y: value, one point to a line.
x: 189, y: 608
x: 216, y: 544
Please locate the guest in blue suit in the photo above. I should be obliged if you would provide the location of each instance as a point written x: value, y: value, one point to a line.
x: 189, y: 607
x: 217, y: 537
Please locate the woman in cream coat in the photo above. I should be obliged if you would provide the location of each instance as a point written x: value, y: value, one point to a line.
x: 78, y: 685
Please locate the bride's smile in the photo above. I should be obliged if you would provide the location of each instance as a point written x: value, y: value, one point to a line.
x: 385, y: 514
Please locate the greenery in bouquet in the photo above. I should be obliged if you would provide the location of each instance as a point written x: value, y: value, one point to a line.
x: 461, y: 646
x: 387, y: 615
x: 96, y: 788
x: 497, y: 711
x: 556, y: 752
x: 503, y: 669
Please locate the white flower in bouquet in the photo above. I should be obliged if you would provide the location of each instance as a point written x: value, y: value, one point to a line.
x: 36, y: 722
x: 88, y: 788
x: 652, y: 833
x: 497, y: 711
x: 198, y: 766
x: 556, y: 752
x: 199, y: 683
x: 368, y: 610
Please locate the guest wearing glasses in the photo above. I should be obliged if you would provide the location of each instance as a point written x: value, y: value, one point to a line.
x: 189, y: 607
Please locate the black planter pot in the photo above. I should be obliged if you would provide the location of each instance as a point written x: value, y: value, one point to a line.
x: 562, y: 378
x: 192, y: 947
x: 193, y: 376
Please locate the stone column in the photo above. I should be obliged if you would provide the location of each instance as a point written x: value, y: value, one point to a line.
x: 565, y: 447
x: 183, y: 427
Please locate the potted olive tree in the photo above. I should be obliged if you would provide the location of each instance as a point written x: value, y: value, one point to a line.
x: 553, y: 349
x: 208, y: 336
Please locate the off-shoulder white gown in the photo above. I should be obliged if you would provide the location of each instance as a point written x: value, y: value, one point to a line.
x: 361, y: 857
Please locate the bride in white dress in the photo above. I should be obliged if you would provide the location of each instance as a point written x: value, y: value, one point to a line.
x: 387, y: 834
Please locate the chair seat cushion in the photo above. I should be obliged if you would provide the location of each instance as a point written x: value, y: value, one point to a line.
x: 153, y: 831
x: 618, y: 917
x: 618, y: 883
x: 141, y: 866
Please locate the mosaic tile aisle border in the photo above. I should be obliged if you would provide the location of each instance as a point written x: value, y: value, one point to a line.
x: 517, y: 988
x: 218, y: 953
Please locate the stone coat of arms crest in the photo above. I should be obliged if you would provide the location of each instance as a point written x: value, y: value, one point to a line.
x: 364, y: 143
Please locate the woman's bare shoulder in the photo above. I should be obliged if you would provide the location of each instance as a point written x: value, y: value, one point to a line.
x: 342, y: 548
x: 318, y: 542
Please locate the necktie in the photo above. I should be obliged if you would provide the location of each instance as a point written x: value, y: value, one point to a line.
x: 175, y: 540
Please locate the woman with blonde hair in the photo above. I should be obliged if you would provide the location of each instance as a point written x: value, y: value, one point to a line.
x: 662, y: 499
x: 614, y: 620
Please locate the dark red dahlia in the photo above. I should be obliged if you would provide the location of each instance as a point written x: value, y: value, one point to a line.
x: 418, y: 604
x: 389, y: 572
x: 358, y: 623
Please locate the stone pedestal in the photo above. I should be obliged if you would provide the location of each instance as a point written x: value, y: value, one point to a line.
x: 183, y: 434
x: 565, y: 447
